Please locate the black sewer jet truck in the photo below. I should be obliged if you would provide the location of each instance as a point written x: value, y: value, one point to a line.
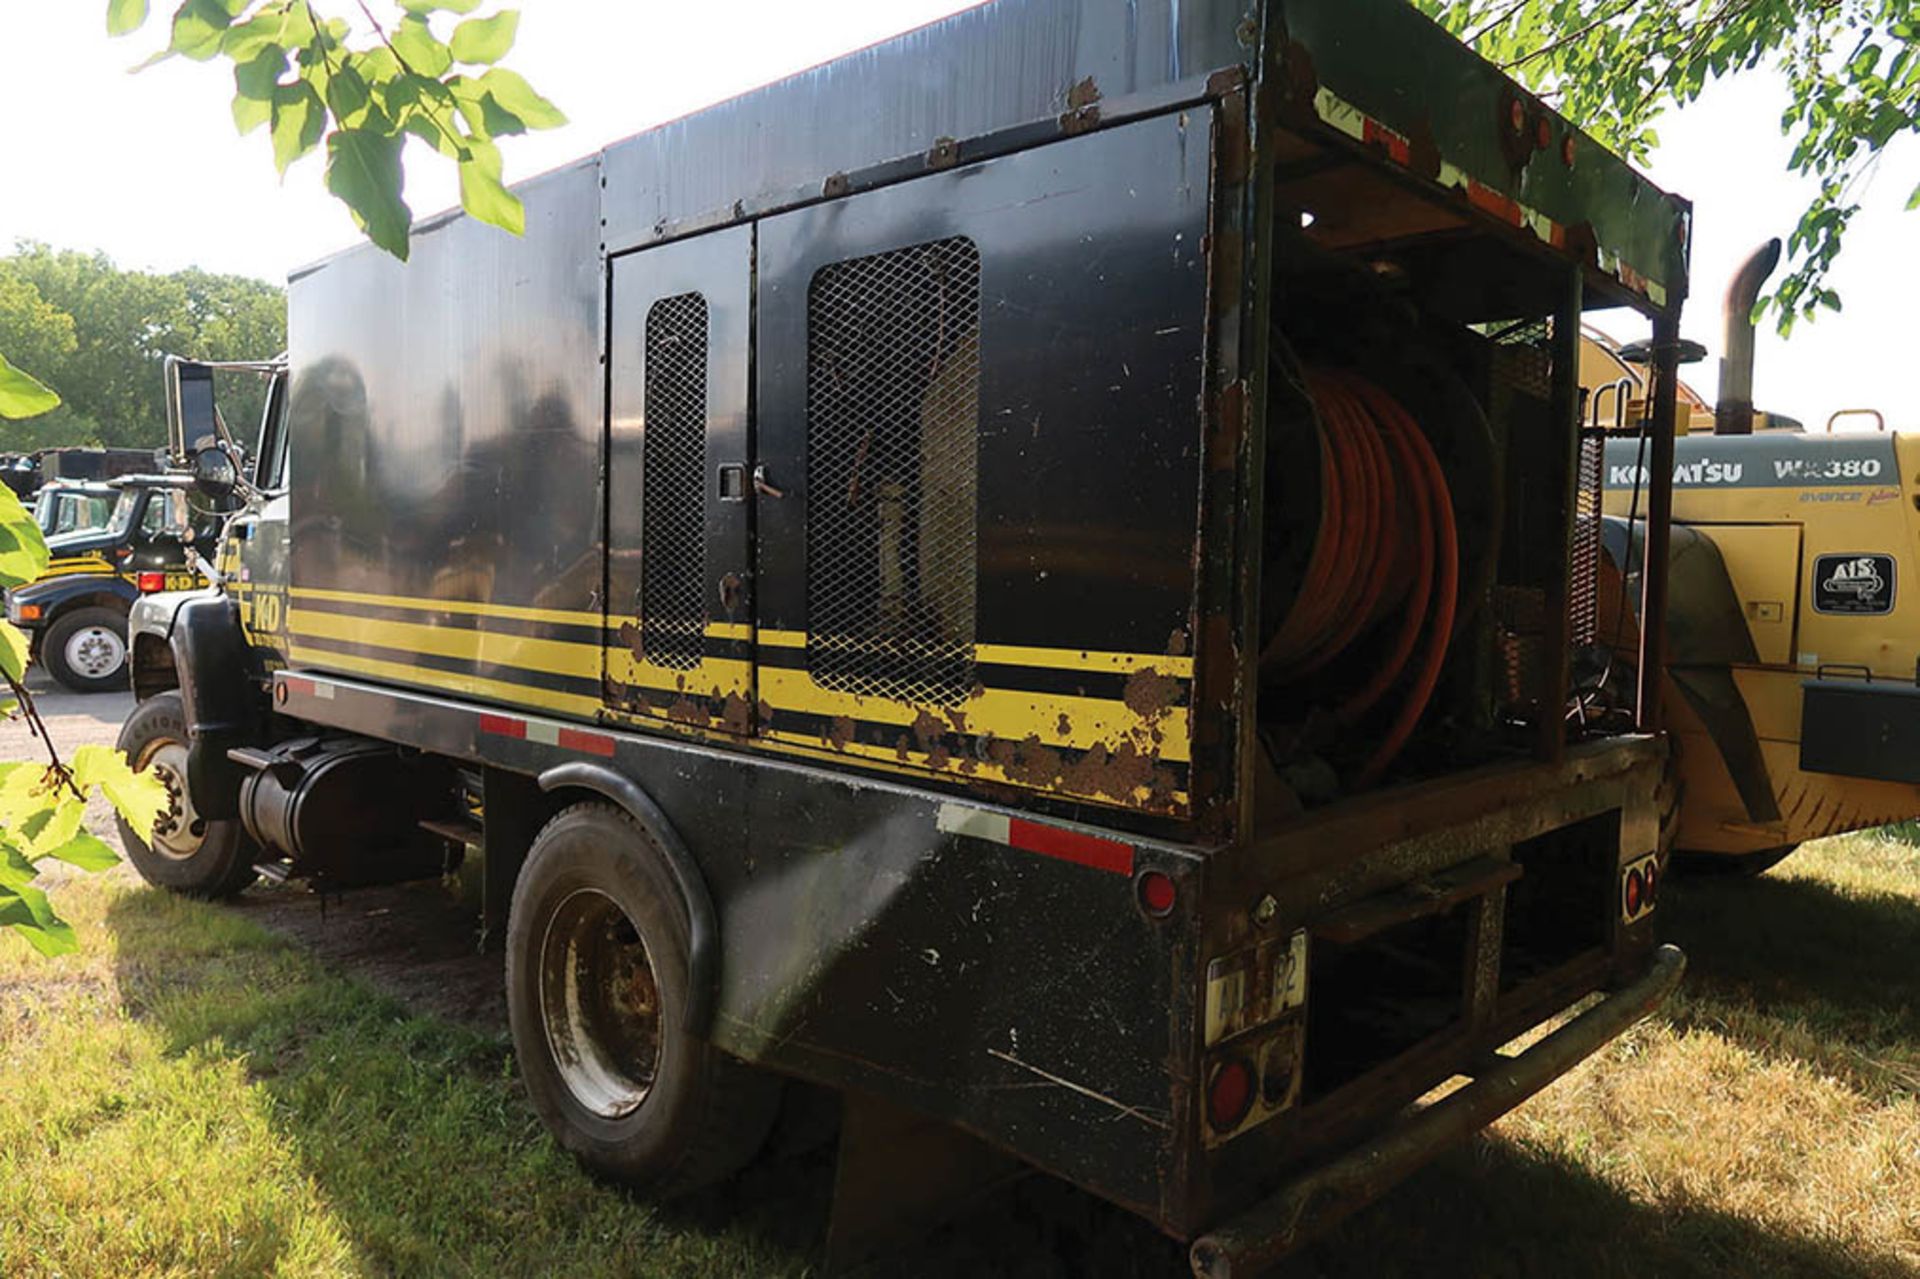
x: 1022, y: 577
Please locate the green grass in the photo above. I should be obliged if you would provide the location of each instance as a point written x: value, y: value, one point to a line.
x: 192, y: 1096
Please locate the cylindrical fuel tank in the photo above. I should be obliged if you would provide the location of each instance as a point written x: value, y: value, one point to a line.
x: 348, y: 811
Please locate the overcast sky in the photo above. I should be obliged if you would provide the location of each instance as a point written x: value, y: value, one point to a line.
x: 148, y: 168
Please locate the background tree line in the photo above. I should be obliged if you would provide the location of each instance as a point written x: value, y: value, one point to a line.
x: 97, y: 332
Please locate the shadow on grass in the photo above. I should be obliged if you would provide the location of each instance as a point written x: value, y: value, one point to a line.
x: 423, y: 1148
x: 1798, y: 967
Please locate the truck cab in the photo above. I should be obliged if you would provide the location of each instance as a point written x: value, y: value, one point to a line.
x: 64, y: 508
x: 76, y: 611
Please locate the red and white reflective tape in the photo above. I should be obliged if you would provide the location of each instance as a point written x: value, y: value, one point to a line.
x: 1111, y: 855
x: 306, y: 687
x: 547, y: 733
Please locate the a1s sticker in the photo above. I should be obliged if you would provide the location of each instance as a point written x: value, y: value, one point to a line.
x: 1858, y: 584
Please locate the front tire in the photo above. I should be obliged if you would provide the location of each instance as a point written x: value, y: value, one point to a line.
x: 186, y: 852
x: 597, y: 963
x: 86, y: 649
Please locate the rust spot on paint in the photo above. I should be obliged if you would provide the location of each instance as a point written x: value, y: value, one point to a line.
x: 736, y: 715
x: 1035, y: 763
x: 940, y: 757
x: 1064, y: 728
x: 840, y: 732
x: 1149, y: 693
x: 903, y: 749
x: 765, y: 711
x: 1177, y: 642
x: 1116, y: 773
x: 927, y: 730
x: 685, y: 710
x: 630, y: 636
x: 958, y: 719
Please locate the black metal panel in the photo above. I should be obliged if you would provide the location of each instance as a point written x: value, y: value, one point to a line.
x: 445, y: 413
x: 1858, y: 729
x: 716, y: 268
x: 987, y: 70
x: 1092, y: 328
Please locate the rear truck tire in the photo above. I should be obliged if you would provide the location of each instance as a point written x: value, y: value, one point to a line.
x: 1751, y: 865
x: 86, y: 649
x: 597, y: 989
x: 186, y: 853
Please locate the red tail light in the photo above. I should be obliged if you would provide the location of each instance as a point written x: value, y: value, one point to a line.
x: 1230, y: 1095
x: 150, y: 582
x: 1156, y: 893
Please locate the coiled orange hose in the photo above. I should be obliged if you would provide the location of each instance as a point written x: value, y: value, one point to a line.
x: 1377, y: 520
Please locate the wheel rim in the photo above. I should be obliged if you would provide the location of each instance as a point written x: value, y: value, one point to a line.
x: 95, y: 652
x: 599, y: 1004
x: 180, y: 831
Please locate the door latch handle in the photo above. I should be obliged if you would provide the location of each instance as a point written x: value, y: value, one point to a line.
x: 733, y: 482
x: 760, y: 484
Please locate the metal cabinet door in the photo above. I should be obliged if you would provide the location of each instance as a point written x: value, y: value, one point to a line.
x: 679, y: 608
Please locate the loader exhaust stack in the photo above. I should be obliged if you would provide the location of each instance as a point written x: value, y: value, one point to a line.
x: 1733, y: 410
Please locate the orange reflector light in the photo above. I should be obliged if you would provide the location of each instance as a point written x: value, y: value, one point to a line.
x: 1230, y: 1095
x: 150, y: 582
x: 1636, y: 891
x: 1156, y: 893
x: 28, y: 612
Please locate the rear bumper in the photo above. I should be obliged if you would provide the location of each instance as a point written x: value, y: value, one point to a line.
x: 1263, y: 1233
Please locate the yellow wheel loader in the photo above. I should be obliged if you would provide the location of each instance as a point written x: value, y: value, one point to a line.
x: 1794, y: 623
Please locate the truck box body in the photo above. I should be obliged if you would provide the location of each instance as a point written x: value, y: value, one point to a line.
x: 888, y: 473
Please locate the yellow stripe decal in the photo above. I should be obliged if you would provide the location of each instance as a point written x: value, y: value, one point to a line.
x: 498, y: 690
x: 1056, y: 719
x: 472, y: 608
x: 556, y: 657
x: 1179, y: 666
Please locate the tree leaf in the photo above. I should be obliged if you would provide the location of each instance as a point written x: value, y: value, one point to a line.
x: 23, y: 551
x: 363, y: 169
x: 511, y: 91
x: 299, y: 120
x: 59, y: 823
x: 21, y: 395
x: 254, y: 82
x: 124, y: 16
x: 15, y: 869
x: 198, y: 27
x: 479, y: 41
x: 14, y: 645
x: 421, y: 50
x: 86, y: 851
x: 425, y: 7
x: 27, y: 911
x: 139, y: 797
x: 484, y: 195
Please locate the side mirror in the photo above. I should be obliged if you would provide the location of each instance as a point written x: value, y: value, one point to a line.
x: 214, y: 474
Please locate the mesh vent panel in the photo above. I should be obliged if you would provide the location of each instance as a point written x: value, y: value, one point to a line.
x: 674, y: 463
x: 893, y: 408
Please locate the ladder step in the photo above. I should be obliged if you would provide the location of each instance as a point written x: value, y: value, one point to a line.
x: 278, y: 871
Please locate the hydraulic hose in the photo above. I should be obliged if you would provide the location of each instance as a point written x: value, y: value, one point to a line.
x: 1386, y: 537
